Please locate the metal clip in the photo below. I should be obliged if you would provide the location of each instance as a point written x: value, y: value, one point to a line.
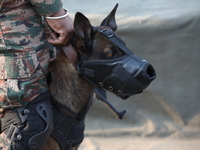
x: 107, y: 33
x: 14, y: 133
x: 23, y: 114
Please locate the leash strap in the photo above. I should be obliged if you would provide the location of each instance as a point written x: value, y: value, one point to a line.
x: 101, y: 95
x: 71, y: 54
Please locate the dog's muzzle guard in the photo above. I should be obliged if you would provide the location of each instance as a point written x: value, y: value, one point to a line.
x: 124, y: 76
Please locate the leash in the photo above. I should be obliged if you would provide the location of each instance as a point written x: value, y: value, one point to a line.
x: 101, y: 95
x: 71, y: 54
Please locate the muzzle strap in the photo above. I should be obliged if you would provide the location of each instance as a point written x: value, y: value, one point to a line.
x: 119, y: 72
x: 86, y: 71
x: 112, y: 37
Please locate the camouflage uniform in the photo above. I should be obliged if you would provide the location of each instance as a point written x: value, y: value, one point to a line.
x: 24, y: 51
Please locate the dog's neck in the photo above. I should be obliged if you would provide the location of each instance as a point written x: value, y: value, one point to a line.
x: 70, y: 91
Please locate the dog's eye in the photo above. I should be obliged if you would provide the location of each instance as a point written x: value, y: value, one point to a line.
x: 110, y: 54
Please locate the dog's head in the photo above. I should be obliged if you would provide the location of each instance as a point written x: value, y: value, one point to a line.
x: 91, y: 44
x: 104, y: 59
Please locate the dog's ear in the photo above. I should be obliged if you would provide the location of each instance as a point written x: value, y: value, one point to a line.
x: 82, y: 26
x: 110, y: 19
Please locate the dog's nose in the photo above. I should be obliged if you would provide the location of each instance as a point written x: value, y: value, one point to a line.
x: 146, y: 73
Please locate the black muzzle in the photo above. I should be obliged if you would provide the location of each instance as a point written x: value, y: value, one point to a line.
x: 124, y: 76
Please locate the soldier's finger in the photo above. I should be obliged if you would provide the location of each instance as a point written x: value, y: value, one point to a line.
x: 53, y: 35
x: 54, y: 41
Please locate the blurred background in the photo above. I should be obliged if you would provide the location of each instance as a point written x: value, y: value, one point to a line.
x: 166, y: 116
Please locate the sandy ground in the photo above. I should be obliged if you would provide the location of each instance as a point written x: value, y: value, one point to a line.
x: 130, y: 143
x: 144, y: 127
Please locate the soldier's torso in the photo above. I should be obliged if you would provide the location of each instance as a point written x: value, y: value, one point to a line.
x: 24, y: 54
x: 22, y: 38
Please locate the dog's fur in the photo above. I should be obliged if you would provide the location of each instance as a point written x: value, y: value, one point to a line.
x: 70, y: 91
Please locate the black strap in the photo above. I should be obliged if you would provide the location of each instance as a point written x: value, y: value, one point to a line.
x: 109, y: 34
x: 101, y: 95
x: 133, y: 82
x: 68, y: 131
x: 85, y: 71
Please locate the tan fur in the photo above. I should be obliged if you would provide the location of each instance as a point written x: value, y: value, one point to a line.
x: 68, y: 88
x: 51, y: 144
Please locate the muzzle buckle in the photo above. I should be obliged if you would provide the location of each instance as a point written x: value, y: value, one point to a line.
x: 107, y: 33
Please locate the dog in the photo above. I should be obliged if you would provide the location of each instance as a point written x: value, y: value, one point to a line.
x: 72, y: 93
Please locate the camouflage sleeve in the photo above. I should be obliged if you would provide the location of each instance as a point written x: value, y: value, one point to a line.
x: 46, y: 7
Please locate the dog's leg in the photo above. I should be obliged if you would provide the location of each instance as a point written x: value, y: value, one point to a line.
x: 51, y: 144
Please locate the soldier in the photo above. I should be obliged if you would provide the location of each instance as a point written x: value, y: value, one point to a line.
x: 25, y: 52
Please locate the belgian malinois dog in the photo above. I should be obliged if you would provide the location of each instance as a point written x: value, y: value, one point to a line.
x: 71, y: 92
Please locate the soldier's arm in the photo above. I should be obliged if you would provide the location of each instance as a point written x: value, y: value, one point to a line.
x: 63, y: 27
x: 46, y: 7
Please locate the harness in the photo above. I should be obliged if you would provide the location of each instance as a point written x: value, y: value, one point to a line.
x: 68, y: 132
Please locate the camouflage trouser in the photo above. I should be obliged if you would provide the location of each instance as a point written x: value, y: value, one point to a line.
x: 29, y: 127
x: 5, y: 144
x: 19, y: 92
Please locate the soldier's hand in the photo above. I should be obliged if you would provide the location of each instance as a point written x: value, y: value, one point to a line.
x: 63, y: 28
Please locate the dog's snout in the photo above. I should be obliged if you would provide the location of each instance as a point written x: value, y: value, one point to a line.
x: 151, y: 74
x: 146, y: 73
